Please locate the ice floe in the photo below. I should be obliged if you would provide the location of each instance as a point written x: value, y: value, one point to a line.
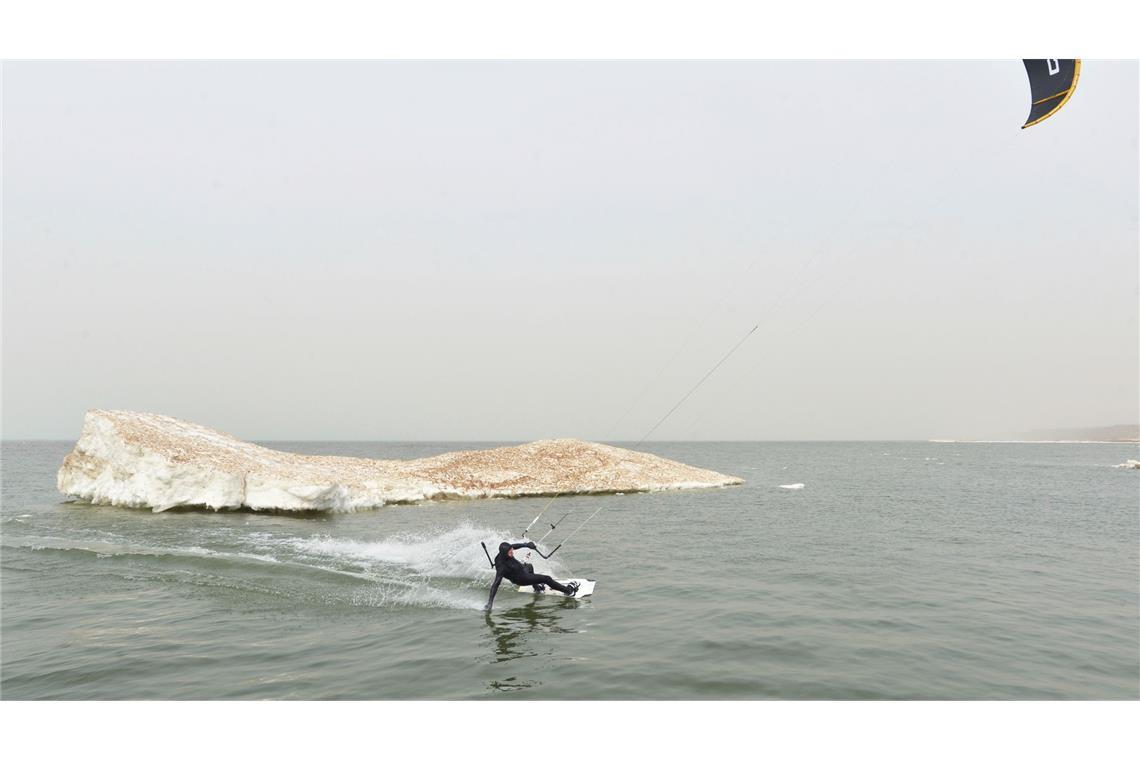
x: 150, y: 460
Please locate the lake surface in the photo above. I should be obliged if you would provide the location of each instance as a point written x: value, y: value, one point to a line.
x: 899, y: 571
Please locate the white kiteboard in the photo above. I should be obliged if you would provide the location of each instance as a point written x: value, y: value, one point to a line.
x: 585, y: 588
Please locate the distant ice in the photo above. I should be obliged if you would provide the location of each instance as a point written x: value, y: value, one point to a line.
x: 793, y: 486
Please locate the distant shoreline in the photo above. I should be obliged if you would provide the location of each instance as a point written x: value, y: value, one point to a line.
x: 951, y: 440
x: 1127, y: 433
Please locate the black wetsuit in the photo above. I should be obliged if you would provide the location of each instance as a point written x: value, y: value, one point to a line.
x: 510, y: 568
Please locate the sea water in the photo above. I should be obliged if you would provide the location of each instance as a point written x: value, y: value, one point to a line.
x: 905, y: 570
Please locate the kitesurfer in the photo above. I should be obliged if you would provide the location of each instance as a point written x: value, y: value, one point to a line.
x: 506, y: 566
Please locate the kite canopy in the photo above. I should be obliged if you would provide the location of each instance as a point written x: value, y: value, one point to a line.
x: 1051, y: 82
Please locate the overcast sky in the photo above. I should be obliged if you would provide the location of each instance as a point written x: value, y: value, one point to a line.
x: 511, y: 251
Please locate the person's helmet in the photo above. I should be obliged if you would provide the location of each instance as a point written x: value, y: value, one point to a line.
x: 504, y: 548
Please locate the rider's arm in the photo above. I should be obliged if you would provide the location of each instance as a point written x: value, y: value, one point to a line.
x: 494, y: 589
x: 525, y: 545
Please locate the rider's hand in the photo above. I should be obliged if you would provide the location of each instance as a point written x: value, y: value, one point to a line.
x: 530, y: 545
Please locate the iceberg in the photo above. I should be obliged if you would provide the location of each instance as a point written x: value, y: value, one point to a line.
x: 139, y: 459
x: 1130, y: 464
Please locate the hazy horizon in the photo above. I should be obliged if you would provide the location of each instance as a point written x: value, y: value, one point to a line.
x: 509, y: 251
x: 631, y: 440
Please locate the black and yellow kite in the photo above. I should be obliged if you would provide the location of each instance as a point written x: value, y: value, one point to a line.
x: 1051, y: 82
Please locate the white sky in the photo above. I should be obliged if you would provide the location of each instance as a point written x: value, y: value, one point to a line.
x: 510, y: 251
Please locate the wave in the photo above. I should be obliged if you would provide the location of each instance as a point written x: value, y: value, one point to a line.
x: 106, y: 548
x: 445, y: 568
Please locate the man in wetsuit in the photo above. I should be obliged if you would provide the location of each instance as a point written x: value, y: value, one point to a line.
x: 506, y: 566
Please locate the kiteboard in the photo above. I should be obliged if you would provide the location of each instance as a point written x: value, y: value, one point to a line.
x: 585, y: 588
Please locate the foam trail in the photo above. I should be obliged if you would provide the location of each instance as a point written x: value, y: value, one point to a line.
x: 407, y: 568
x: 411, y: 571
x: 445, y: 568
x: 421, y: 595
